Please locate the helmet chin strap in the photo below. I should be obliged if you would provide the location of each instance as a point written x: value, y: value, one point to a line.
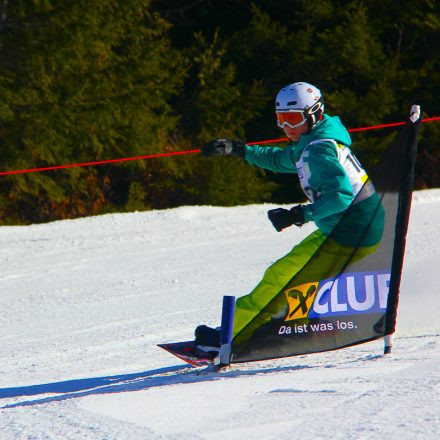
x: 312, y: 120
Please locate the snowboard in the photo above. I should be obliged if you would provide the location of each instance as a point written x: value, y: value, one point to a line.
x: 188, y: 352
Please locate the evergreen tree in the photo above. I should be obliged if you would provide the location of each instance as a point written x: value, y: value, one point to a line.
x: 85, y: 81
x: 217, y: 105
x: 82, y: 81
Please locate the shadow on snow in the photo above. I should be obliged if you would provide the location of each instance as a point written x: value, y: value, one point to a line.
x: 124, y: 383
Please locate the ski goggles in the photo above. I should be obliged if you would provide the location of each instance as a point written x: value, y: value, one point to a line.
x: 291, y: 118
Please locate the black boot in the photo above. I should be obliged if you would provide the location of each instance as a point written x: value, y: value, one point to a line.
x: 207, y: 338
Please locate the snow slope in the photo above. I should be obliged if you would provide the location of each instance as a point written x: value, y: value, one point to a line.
x: 83, y: 304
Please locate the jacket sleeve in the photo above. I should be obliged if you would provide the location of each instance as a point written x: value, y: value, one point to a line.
x: 328, y: 182
x: 271, y: 158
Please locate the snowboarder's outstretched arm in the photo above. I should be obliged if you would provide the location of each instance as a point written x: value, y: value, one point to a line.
x: 271, y: 158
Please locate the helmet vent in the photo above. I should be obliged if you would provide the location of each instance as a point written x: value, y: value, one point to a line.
x: 292, y: 103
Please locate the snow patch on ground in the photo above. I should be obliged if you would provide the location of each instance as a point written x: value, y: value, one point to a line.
x: 84, y: 302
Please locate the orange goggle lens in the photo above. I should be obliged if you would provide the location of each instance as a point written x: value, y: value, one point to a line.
x: 291, y: 119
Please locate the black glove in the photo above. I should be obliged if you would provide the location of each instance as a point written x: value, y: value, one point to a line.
x: 283, y: 218
x: 224, y: 147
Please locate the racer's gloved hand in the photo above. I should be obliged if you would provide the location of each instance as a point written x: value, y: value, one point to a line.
x: 224, y: 147
x: 283, y: 218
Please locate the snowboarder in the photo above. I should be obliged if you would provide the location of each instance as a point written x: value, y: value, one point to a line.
x: 330, y: 176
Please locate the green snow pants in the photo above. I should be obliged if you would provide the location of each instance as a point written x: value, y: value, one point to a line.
x: 267, y: 299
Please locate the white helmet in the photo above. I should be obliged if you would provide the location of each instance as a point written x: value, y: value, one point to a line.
x: 301, y: 96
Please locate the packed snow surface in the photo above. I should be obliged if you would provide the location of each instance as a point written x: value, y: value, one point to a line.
x: 84, y: 302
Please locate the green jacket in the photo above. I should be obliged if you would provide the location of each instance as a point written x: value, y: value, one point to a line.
x: 326, y: 179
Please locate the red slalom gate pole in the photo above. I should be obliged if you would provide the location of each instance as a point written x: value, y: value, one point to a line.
x: 180, y: 153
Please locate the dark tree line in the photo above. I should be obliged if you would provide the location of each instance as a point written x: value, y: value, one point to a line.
x: 83, y: 81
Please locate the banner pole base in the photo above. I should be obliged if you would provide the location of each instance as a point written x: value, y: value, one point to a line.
x: 224, y: 357
x: 388, y: 344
